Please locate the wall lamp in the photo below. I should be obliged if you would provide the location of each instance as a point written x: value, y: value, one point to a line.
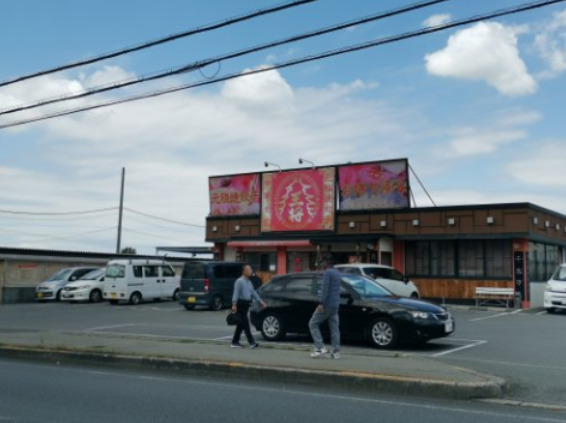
x: 490, y: 220
x: 352, y: 224
x: 451, y: 221
x: 308, y: 161
x: 267, y: 164
x: 237, y: 228
x: 215, y: 229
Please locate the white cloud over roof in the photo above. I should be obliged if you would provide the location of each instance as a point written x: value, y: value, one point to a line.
x: 488, y: 52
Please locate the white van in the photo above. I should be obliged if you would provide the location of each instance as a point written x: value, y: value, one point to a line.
x: 138, y: 280
x: 555, y: 290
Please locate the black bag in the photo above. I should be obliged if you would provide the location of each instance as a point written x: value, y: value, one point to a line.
x: 233, y: 319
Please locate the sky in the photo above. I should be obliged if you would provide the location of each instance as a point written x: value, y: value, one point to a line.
x: 476, y: 110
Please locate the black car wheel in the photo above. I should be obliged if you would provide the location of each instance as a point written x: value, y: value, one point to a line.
x: 383, y: 333
x: 176, y: 295
x: 135, y: 298
x: 414, y: 296
x: 272, y: 327
x: 95, y: 296
x: 217, y: 303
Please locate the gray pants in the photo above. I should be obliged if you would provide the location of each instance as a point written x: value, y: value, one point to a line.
x: 329, y: 314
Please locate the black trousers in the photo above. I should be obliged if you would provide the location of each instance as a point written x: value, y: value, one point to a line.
x: 244, y: 325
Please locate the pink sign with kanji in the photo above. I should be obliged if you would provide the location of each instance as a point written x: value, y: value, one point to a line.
x: 302, y: 200
x: 234, y: 195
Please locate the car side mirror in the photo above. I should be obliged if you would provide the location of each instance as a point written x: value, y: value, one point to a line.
x: 73, y: 278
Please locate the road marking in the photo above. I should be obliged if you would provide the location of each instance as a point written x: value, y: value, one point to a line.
x: 475, y: 343
x: 496, y: 315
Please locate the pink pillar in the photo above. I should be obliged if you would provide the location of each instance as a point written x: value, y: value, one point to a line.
x: 281, y: 260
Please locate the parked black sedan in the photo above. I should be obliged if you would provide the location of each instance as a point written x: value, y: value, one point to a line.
x: 368, y: 311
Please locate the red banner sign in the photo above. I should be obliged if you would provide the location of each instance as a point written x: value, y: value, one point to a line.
x: 302, y: 200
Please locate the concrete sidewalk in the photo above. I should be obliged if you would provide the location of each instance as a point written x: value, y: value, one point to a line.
x: 386, y: 372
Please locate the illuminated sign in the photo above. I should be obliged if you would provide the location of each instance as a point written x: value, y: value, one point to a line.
x: 302, y: 200
x: 378, y: 185
x: 234, y: 195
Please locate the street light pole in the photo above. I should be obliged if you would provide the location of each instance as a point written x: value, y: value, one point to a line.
x: 120, y: 212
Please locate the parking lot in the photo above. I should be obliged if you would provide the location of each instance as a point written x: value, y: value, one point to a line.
x: 524, y: 347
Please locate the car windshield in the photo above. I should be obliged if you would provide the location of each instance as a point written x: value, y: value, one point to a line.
x: 366, y: 287
x: 61, y: 275
x: 94, y: 274
x: 560, y: 274
x: 116, y: 271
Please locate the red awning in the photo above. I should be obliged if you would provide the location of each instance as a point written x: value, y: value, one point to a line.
x: 295, y: 243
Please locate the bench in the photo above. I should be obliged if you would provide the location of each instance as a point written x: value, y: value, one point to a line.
x: 486, y: 295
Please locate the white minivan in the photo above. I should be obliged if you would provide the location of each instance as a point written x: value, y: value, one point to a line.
x: 137, y: 280
x: 555, y: 290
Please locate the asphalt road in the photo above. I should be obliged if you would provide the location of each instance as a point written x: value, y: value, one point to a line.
x: 525, y: 348
x: 32, y: 392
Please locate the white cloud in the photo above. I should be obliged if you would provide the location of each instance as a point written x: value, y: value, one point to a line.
x: 436, y: 20
x: 171, y: 144
x: 541, y: 166
x: 488, y: 52
x: 477, y: 142
x: 505, y: 128
x: 551, y: 44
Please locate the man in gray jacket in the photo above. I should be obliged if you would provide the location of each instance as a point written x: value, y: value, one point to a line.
x: 244, y: 293
x: 327, y: 310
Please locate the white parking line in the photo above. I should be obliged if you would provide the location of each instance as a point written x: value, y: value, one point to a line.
x: 496, y: 315
x: 474, y: 343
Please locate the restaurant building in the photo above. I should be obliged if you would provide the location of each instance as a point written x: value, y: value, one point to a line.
x: 286, y: 221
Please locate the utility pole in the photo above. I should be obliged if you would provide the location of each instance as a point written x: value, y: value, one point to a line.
x: 120, y: 212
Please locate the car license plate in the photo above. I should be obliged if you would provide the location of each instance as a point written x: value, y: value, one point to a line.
x: 114, y: 295
x: 39, y: 295
x: 449, y: 326
x: 192, y: 299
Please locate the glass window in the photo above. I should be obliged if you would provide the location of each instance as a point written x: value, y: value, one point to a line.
x: 194, y: 271
x: 397, y: 276
x: 150, y: 271
x: 471, y: 256
x: 167, y: 271
x: 94, y: 274
x: 498, y: 258
x: 234, y: 271
x: 365, y: 287
x: 299, y: 285
x: 60, y: 275
x: 116, y: 271
x: 137, y: 271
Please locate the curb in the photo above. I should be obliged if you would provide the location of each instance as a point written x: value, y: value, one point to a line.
x: 347, y: 380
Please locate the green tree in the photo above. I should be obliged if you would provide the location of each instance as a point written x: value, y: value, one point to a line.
x: 128, y: 250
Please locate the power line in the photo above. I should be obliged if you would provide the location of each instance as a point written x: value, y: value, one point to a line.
x: 203, y: 63
x: 306, y: 59
x: 158, y: 41
x: 16, y: 212
x: 162, y: 219
x: 151, y: 235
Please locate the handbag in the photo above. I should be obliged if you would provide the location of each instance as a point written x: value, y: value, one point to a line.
x: 233, y: 319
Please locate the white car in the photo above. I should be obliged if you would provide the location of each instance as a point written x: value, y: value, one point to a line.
x: 555, y: 290
x: 88, y: 288
x: 386, y: 276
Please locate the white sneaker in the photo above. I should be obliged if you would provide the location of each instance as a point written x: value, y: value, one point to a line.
x: 336, y: 355
x: 319, y: 352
